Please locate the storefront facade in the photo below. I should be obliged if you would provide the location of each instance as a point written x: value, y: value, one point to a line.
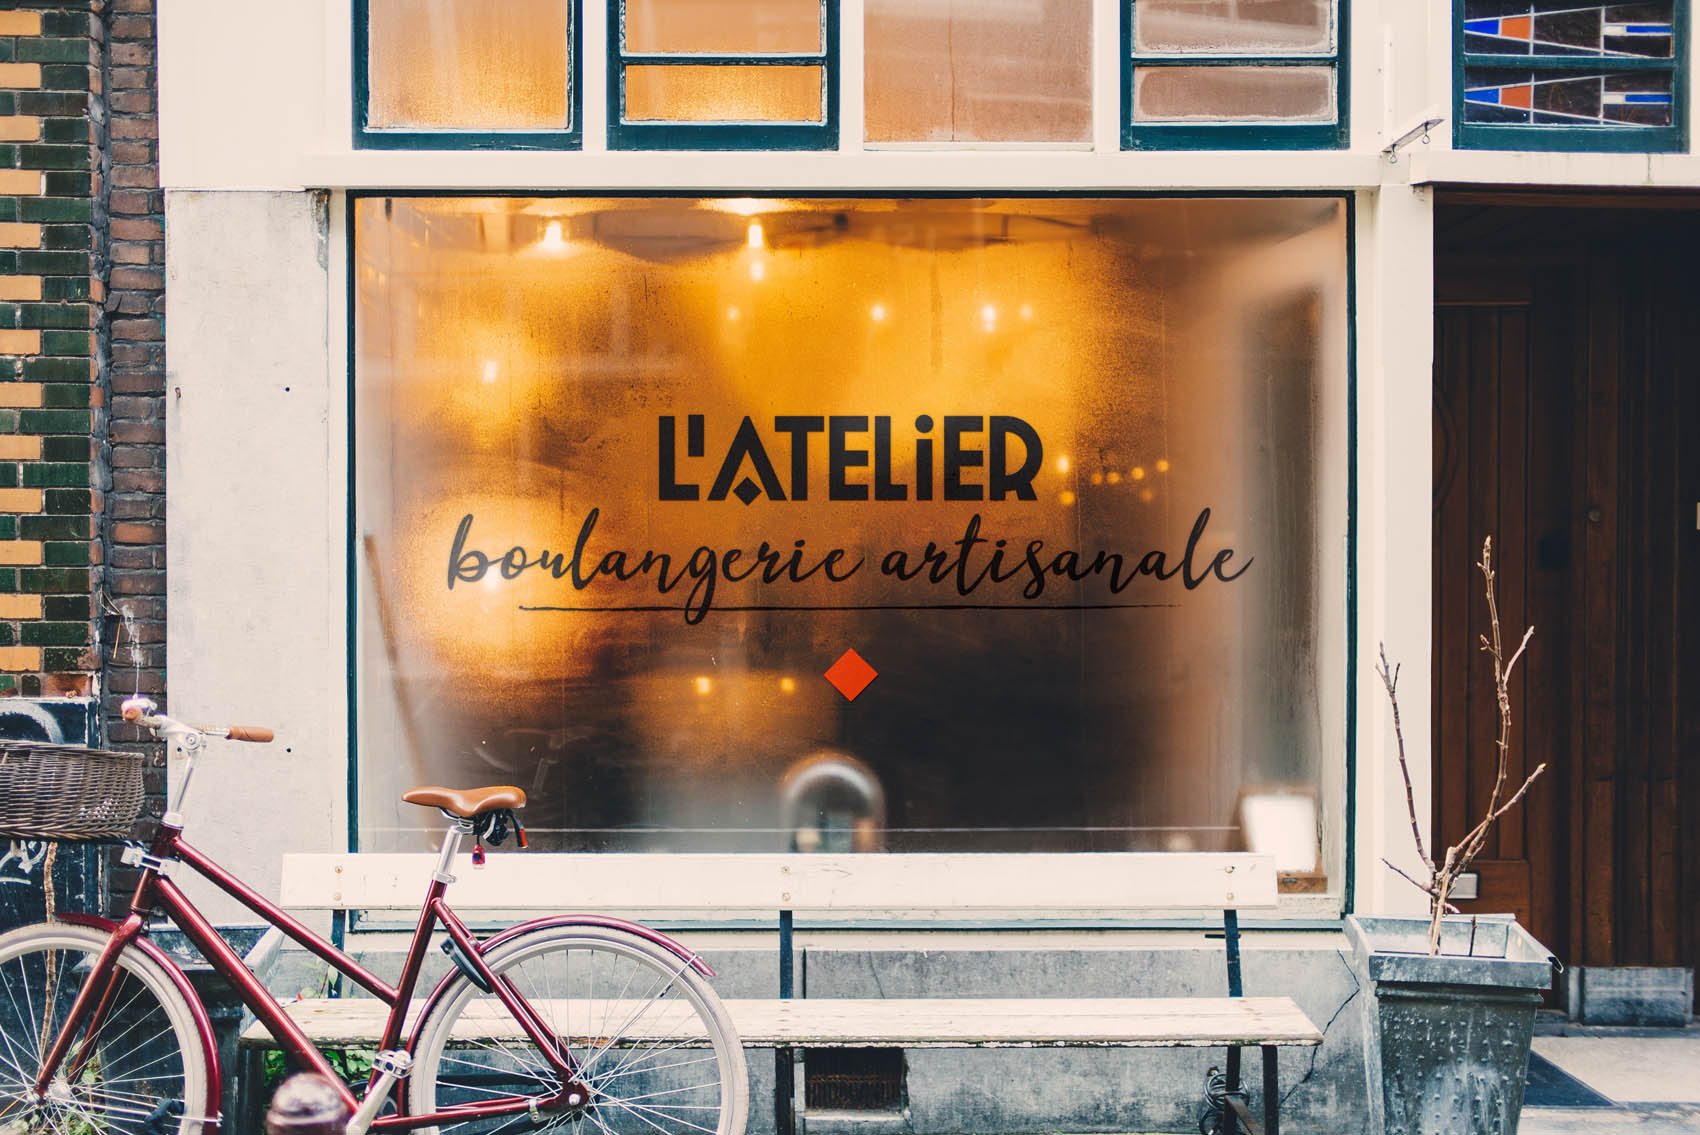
x: 769, y: 438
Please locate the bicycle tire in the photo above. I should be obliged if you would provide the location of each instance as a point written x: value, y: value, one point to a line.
x: 149, y: 1027
x: 604, y: 991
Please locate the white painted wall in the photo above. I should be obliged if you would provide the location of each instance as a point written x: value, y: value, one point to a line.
x: 255, y: 508
x: 255, y: 107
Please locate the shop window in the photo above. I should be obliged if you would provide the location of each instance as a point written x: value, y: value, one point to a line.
x: 940, y: 72
x: 722, y: 74
x: 466, y: 74
x: 1535, y: 75
x: 1225, y: 74
x: 872, y: 525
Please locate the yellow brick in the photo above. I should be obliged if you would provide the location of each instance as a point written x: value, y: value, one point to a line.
x: 20, y: 342
x: 20, y: 395
x: 16, y: 448
x: 20, y: 500
x: 19, y: 128
x: 20, y: 551
x: 20, y: 23
x: 18, y: 75
x: 20, y: 236
x: 22, y: 182
x: 20, y: 657
x: 20, y: 606
x: 20, y: 287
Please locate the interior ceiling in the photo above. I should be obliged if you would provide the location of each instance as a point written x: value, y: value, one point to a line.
x: 1478, y: 220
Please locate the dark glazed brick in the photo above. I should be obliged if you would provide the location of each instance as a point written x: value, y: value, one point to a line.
x: 53, y: 264
x: 65, y: 287
x: 65, y: 130
x: 62, y: 184
x: 67, y: 237
x: 58, y: 660
x: 45, y: 475
x: 66, y: 77
x: 54, y: 634
x: 33, y: 156
x: 8, y: 527
x: 8, y: 580
x: 52, y: 315
x: 55, y: 209
x: 53, y: 580
x: 65, y: 502
x: 65, y: 397
x: 53, y: 104
x: 56, y: 527
x: 54, y: 422
x: 9, y: 475
x: 40, y: 49
x: 65, y: 607
x: 66, y: 554
x: 79, y: 24
x: 56, y: 370
x: 64, y: 343
x: 65, y: 449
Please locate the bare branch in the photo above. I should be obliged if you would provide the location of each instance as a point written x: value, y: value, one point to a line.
x: 1390, y: 679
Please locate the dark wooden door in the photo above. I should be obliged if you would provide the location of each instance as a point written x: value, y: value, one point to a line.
x: 1567, y: 426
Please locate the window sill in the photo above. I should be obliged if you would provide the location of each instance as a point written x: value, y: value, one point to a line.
x: 1523, y: 167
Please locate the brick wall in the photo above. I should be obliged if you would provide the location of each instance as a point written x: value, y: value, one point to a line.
x: 82, y: 357
x: 50, y: 392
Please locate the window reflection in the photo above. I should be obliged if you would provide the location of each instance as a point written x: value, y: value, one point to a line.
x: 1067, y: 475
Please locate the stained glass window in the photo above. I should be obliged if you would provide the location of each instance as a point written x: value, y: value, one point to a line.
x: 1556, y: 75
x: 1257, y: 74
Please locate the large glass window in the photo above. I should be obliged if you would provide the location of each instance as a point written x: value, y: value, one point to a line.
x: 1251, y: 74
x: 722, y: 74
x: 942, y: 72
x: 448, y: 74
x: 883, y: 524
x: 1533, y: 75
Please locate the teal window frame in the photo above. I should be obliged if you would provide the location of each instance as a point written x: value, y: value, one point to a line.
x: 1229, y: 135
x: 438, y: 138
x: 623, y: 135
x: 1578, y: 139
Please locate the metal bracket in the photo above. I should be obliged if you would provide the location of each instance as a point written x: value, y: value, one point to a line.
x: 136, y: 857
x: 1420, y: 130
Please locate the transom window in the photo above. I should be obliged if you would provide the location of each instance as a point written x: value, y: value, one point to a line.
x: 722, y: 74
x: 1249, y: 74
x: 1557, y: 75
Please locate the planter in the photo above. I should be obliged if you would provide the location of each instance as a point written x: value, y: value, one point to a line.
x: 1447, y: 1037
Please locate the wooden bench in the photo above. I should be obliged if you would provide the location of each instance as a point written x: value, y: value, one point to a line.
x: 1092, y: 888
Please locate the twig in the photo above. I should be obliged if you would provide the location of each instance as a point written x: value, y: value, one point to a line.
x: 1390, y: 679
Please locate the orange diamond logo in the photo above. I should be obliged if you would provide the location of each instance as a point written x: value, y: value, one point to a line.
x: 851, y: 674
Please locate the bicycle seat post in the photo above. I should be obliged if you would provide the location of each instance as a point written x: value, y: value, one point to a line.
x: 459, y: 829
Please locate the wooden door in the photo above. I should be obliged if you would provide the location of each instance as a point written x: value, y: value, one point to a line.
x: 1567, y: 366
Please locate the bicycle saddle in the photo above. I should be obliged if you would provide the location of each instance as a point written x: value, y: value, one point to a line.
x: 466, y: 802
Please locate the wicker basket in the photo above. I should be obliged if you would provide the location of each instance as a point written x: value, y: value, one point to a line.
x: 67, y: 792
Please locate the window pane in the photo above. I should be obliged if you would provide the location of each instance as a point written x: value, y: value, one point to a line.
x: 468, y: 64
x: 723, y: 93
x: 1011, y: 419
x: 731, y: 26
x: 1233, y: 94
x: 1561, y: 28
x: 1232, y: 26
x: 939, y: 71
x: 1564, y: 98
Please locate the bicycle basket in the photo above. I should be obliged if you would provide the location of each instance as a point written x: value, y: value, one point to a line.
x: 67, y: 792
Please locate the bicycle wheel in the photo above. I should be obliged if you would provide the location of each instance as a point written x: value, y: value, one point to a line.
x: 650, y: 1043
x: 141, y: 1070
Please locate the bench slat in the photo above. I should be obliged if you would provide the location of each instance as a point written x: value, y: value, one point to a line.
x: 1165, y: 1022
x: 1093, y: 885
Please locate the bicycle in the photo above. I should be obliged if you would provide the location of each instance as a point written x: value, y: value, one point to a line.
x: 588, y: 1022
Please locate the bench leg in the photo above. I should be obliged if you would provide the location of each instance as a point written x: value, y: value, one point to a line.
x: 1234, y: 1069
x: 784, y: 1085
x: 1271, y: 1090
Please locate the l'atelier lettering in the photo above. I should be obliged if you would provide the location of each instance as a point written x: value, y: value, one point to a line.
x: 845, y: 454
x: 964, y: 564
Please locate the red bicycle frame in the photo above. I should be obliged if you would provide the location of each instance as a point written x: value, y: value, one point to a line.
x: 156, y: 892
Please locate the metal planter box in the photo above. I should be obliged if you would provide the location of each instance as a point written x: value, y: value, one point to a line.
x: 1447, y: 1037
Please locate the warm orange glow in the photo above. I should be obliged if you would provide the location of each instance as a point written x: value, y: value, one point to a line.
x: 1162, y: 464
x: 724, y: 93
x: 1062, y: 464
x: 704, y: 684
x: 468, y: 64
x: 1065, y: 498
x: 787, y: 685
x: 1138, y: 472
x: 877, y: 313
x: 1115, y: 476
x: 753, y: 236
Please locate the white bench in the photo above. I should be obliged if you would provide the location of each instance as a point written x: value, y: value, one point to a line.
x: 1093, y: 887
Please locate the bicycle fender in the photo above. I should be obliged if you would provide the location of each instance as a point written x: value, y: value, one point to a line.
x: 173, y: 971
x: 636, y: 928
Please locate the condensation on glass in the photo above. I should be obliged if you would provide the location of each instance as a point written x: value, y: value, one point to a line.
x: 1232, y: 93
x: 723, y: 26
x: 469, y: 65
x: 1233, y: 26
x: 1068, y: 476
x: 938, y: 71
x: 683, y: 92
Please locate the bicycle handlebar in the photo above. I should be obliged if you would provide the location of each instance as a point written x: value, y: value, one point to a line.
x: 139, y: 710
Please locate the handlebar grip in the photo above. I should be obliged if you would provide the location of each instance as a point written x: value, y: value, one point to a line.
x: 249, y: 733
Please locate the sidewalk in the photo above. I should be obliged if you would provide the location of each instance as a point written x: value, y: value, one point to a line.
x: 1644, y: 1084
